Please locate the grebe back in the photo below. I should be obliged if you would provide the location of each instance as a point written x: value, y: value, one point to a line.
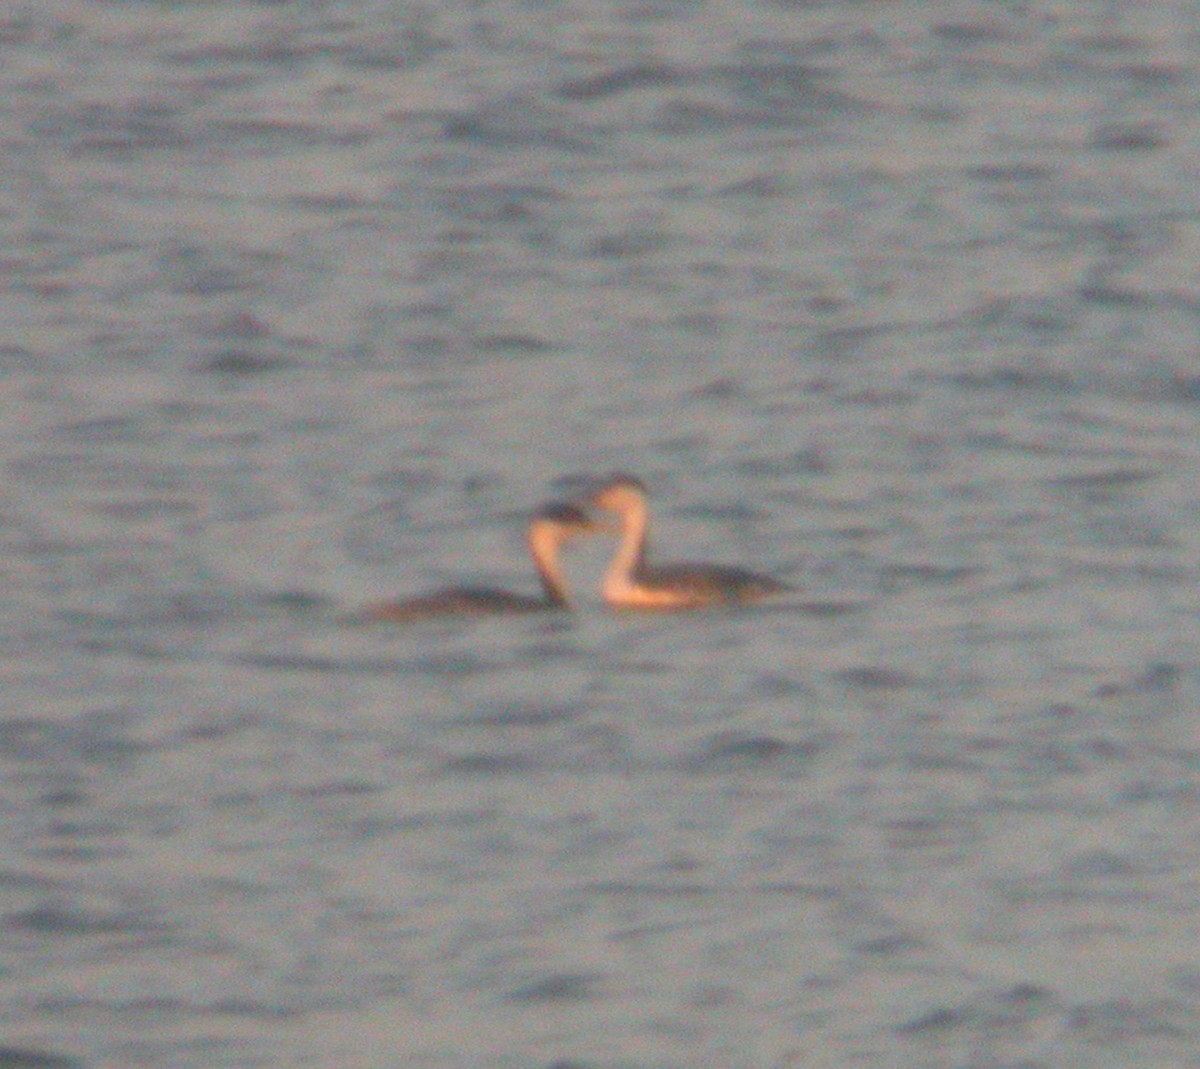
x: 551, y: 527
x: 631, y: 582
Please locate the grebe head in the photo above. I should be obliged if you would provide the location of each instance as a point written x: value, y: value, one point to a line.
x: 563, y: 521
x: 619, y: 493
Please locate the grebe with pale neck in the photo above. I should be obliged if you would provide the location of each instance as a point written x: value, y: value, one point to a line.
x: 550, y: 528
x: 633, y: 583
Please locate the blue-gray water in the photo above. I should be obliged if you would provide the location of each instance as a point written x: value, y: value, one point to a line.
x: 308, y: 304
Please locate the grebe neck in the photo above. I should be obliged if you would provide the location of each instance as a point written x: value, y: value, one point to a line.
x: 543, y: 547
x: 630, y: 558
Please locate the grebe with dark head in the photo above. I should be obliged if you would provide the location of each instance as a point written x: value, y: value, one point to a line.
x: 551, y: 527
x: 632, y: 583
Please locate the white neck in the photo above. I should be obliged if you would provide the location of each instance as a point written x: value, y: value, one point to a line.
x: 543, y: 547
x: 621, y: 577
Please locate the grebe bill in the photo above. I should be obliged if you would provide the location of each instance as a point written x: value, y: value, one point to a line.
x: 551, y: 527
x: 632, y: 583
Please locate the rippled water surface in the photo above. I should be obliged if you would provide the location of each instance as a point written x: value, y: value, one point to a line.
x: 310, y: 304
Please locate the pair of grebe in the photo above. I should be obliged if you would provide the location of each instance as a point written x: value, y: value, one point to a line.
x: 629, y: 583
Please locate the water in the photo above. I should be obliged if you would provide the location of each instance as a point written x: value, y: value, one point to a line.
x: 306, y: 305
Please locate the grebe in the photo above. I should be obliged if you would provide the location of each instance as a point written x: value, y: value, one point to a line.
x: 631, y: 583
x: 553, y: 525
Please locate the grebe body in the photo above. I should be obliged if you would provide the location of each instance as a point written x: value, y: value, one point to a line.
x: 633, y: 583
x: 455, y: 601
x: 552, y: 526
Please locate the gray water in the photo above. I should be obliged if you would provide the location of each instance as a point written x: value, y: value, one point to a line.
x: 310, y: 304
